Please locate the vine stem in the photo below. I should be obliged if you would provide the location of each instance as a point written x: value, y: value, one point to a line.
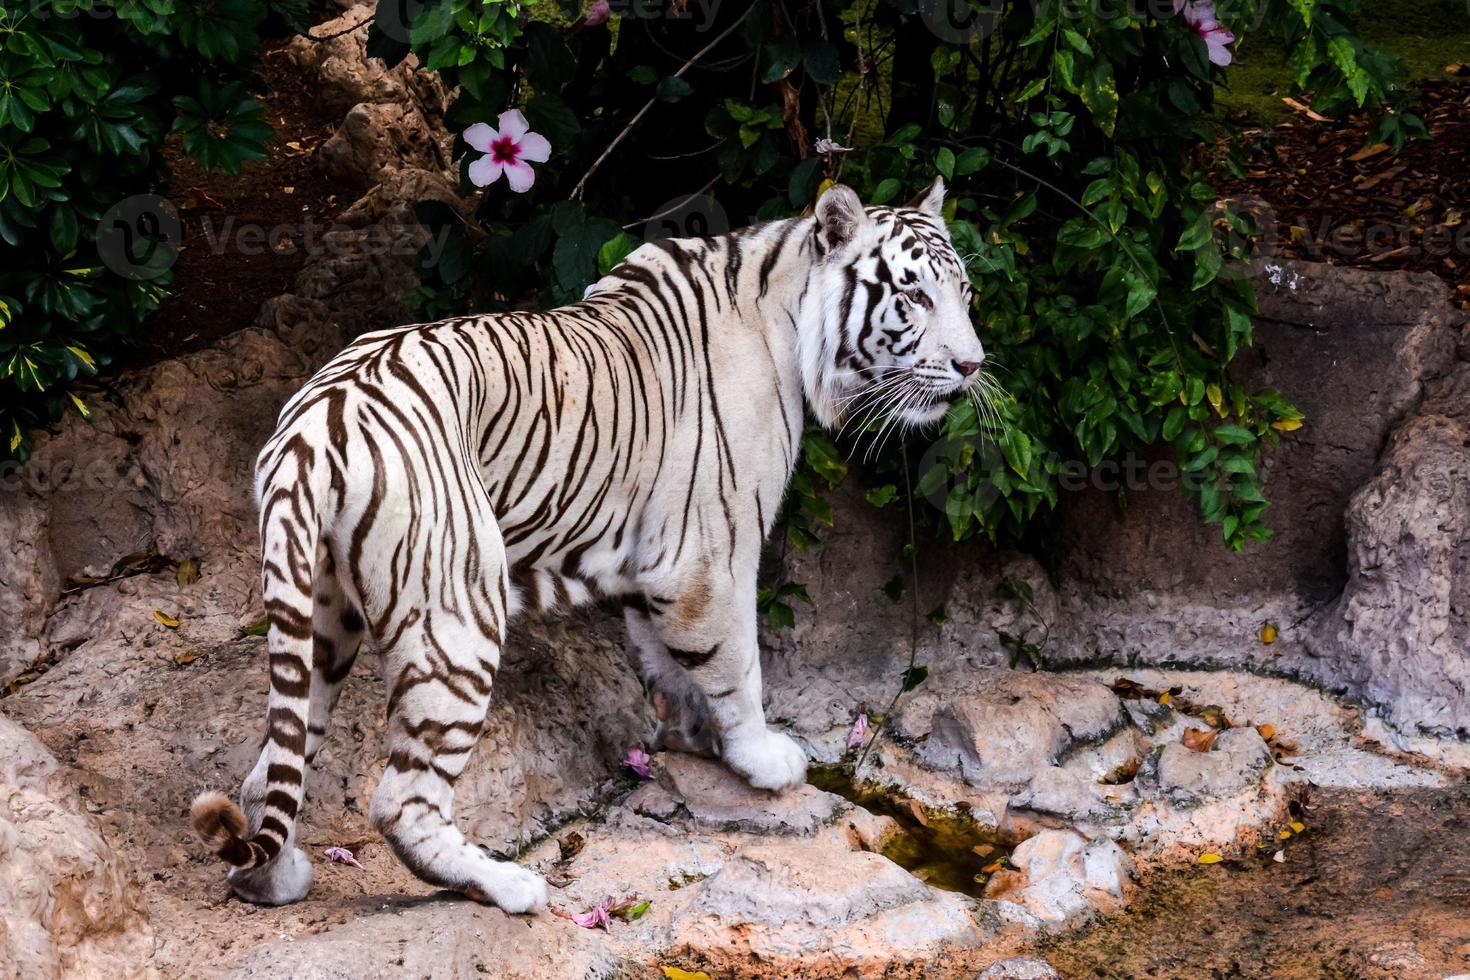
x: 638, y: 117
x: 914, y: 624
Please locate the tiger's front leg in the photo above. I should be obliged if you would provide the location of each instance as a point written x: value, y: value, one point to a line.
x: 711, y: 633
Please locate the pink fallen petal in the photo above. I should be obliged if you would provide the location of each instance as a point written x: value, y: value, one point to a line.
x: 859, y: 732
x: 596, y: 917
x: 341, y: 855
x: 639, y: 761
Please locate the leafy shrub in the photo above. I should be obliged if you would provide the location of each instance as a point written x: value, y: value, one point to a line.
x: 89, y: 89
x: 1108, y: 286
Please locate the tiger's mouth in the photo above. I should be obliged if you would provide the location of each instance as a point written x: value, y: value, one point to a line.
x: 933, y: 403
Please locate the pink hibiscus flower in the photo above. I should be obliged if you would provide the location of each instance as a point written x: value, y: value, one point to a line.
x: 510, y: 149
x: 1200, y: 15
x: 598, y: 13
x: 859, y: 731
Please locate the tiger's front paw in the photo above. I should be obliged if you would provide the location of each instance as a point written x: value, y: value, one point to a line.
x: 768, y: 760
x: 512, y: 888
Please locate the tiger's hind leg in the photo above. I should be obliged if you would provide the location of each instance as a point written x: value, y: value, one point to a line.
x: 338, y: 631
x: 682, y: 710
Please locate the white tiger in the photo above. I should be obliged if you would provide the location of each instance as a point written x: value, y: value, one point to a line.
x: 432, y: 480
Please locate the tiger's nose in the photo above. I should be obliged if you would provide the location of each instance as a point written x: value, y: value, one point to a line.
x: 967, y: 368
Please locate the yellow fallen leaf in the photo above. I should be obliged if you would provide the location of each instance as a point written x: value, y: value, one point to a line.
x: 993, y: 867
x: 1267, y: 732
x: 1287, y: 425
x: 1297, y: 826
x: 1285, y: 835
x: 187, y: 657
x: 188, y: 572
x: 674, y: 973
x: 1209, y: 857
x: 164, y: 619
x: 1166, y: 698
x: 1268, y: 634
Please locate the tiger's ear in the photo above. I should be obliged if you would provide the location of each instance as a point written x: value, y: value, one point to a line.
x: 840, y: 216
x: 931, y: 200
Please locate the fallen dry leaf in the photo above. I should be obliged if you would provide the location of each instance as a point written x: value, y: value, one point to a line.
x: 571, y: 845
x: 918, y: 812
x: 1198, y: 739
x: 1209, y: 857
x: 1166, y: 698
x: 187, y: 572
x: 1369, y: 151
x: 164, y: 619
x: 1297, y: 826
x: 983, y: 850
x: 1268, y: 634
x: 187, y: 657
x: 1266, y: 732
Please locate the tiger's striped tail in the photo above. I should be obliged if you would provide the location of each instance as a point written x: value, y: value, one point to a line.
x: 291, y: 492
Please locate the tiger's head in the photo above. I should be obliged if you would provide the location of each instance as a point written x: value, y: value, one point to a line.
x: 894, y: 336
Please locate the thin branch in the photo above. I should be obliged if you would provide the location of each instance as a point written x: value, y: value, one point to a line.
x: 672, y: 208
x: 345, y: 31
x: 581, y: 184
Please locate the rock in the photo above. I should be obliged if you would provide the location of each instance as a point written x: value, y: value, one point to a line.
x: 344, y: 75
x: 1019, y: 968
x: 702, y: 794
x: 450, y: 939
x: 376, y: 140
x: 1186, y: 778
x: 68, y: 904
x: 1007, y: 726
x: 823, y: 911
x: 28, y: 579
x: 1400, y: 633
x: 1384, y: 336
x: 1063, y: 878
x: 1057, y: 792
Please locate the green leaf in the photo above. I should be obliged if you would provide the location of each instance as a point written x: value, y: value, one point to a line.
x: 886, y: 191
x: 613, y: 251
x: 944, y: 162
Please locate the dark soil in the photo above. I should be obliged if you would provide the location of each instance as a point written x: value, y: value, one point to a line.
x: 1378, y: 886
x: 1336, y: 199
x: 227, y: 269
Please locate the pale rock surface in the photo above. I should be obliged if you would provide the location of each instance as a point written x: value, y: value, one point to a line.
x: 1061, y: 878
x: 69, y: 906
